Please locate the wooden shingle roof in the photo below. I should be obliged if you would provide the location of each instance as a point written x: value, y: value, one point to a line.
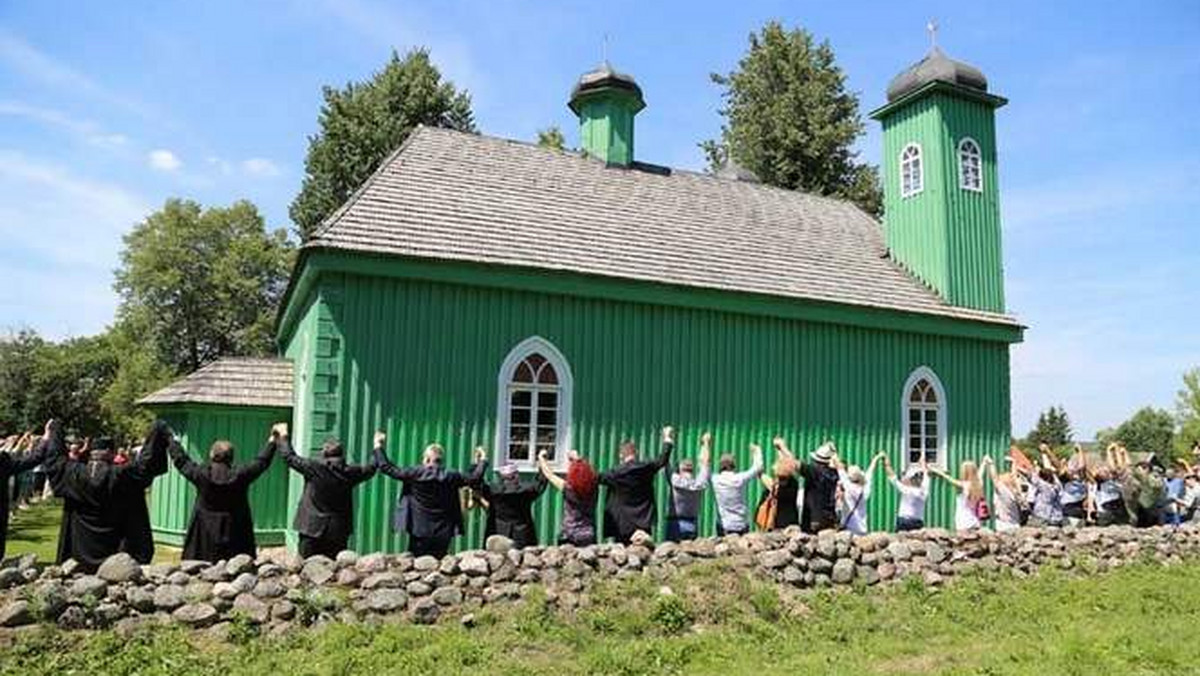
x: 448, y: 195
x: 232, y: 381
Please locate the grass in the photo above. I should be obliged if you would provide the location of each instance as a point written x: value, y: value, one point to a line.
x: 35, y: 531
x: 1135, y: 620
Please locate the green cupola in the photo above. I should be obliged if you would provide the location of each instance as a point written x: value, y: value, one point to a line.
x: 941, y: 199
x: 606, y: 102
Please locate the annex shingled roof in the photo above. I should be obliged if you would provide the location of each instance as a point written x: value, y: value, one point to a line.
x: 456, y: 196
x: 232, y: 381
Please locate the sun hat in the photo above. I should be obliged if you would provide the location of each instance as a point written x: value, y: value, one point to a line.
x: 823, y: 454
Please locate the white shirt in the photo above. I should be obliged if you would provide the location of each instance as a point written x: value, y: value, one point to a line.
x: 964, y: 512
x: 729, y: 489
x: 912, y: 498
x: 854, y: 503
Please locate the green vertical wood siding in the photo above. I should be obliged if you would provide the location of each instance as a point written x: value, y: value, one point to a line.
x: 946, y: 236
x: 198, y: 426
x: 420, y: 360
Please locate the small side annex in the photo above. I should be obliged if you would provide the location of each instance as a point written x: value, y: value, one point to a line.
x: 234, y: 399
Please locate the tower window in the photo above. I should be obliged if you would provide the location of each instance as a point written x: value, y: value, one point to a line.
x: 912, y: 178
x: 533, y: 405
x: 970, y: 166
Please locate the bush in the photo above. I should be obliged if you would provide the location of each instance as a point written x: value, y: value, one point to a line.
x: 671, y: 614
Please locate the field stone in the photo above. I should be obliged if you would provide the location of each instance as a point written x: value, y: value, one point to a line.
x: 225, y: 590
x: 179, y: 578
x: 348, y: 577
x: 269, y: 589
x: 843, y: 571
x: 140, y: 599
x: 935, y: 553
x: 419, y: 588
x: 424, y: 564
x: 74, y: 617
x: 108, y: 613
x: 318, y: 570
x: 70, y: 567
x: 498, y: 544
x: 215, y: 573
x: 386, y: 600
x: 198, y: 591
x: 772, y: 559
x: 473, y: 565
x: 10, y: 577
x: 245, y: 582
x: 425, y: 611
x: 346, y: 558
x: 120, y: 567
x: 16, y: 614
x: 193, y: 566
x: 195, y: 615
x: 371, y: 563
x: 242, y: 563
x: 249, y: 606
x: 448, y: 596
x: 283, y: 610
x: 168, y: 597
x: 89, y: 585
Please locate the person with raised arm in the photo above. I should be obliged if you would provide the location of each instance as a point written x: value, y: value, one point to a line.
x: 579, y: 489
x: 1046, y: 492
x: 510, y: 502
x: 429, y: 510
x: 13, y: 463
x: 967, y: 507
x: 1007, y: 495
x: 325, y: 516
x: 856, y: 491
x: 687, y: 488
x: 783, y: 487
x: 820, y: 490
x: 630, y: 506
x: 222, y: 525
x: 914, y: 491
x: 137, y: 539
x: 729, y: 491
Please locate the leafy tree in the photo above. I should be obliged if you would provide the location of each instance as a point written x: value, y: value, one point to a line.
x: 361, y: 124
x: 1187, y: 404
x: 1150, y: 430
x: 790, y: 120
x: 139, y: 372
x: 552, y: 137
x: 68, y: 381
x: 1053, y: 428
x: 18, y: 364
x: 203, y: 283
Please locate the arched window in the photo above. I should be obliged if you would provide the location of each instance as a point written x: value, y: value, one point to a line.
x: 970, y: 165
x: 912, y: 177
x: 924, y: 418
x: 533, y: 405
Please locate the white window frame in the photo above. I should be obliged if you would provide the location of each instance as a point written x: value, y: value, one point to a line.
x: 977, y: 154
x: 919, y: 159
x: 564, y: 389
x: 943, y: 418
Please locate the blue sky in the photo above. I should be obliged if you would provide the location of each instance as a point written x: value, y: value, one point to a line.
x: 107, y: 110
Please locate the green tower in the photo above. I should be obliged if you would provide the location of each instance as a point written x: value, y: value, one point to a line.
x: 941, y: 202
x: 606, y: 102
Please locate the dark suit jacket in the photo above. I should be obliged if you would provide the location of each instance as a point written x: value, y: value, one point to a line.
x: 222, y: 525
x: 136, y: 538
x: 510, y: 509
x: 429, y: 506
x: 630, y: 506
x: 326, y: 508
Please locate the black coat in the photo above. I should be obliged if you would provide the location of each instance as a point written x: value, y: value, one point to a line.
x: 136, y: 538
x: 222, y: 525
x: 94, y: 524
x: 326, y: 510
x: 820, y: 497
x: 510, y: 509
x: 630, y: 506
x: 11, y: 466
x: 429, y: 505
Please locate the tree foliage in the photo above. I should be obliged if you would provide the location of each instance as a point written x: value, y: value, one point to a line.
x: 362, y: 123
x: 40, y: 380
x: 197, y: 284
x: 552, y: 137
x: 1053, y: 428
x: 1187, y: 412
x: 790, y: 120
x: 1150, y: 430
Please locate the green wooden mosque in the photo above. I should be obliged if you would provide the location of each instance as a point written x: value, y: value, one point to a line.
x: 479, y: 290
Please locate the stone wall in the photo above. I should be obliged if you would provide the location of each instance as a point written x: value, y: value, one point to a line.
x: 281, y: 591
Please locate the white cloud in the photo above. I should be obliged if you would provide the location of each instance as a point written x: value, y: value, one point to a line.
x: 86, y: 130
x: 224, y: 167
x: 62, y: 234
x: 260, y: 167
x: 163, y: 160
x: 23, y: 58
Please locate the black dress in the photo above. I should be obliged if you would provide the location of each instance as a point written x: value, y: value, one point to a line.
x: 136, y: 537
x: 786, y: 511
x: 510, y: 509
x: 222, y: 525
x: 630, y: 504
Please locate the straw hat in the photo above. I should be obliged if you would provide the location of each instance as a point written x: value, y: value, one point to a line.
x: 823, y: 454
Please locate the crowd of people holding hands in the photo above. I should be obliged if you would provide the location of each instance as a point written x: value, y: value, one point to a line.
x: 103, y: 490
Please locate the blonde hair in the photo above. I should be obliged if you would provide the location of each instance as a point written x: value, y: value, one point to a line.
x: 785, y: 467
x: 968, y: 473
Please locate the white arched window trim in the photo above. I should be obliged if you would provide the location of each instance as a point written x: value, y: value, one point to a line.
x: 504, y: 387
x: 943, y: 427
x: 912, y: 170
x: 970, y: 150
